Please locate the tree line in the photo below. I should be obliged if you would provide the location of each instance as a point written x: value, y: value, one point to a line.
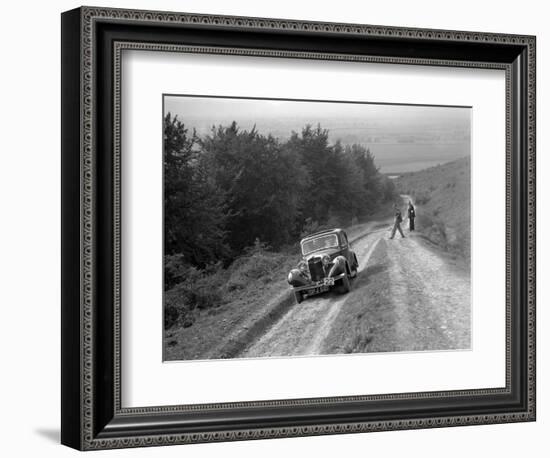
x: 228, y: 189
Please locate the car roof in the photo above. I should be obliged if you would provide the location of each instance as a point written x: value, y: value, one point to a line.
x: 325, y: 232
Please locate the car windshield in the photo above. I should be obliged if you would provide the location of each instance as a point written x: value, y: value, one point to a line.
x: 319, y: 243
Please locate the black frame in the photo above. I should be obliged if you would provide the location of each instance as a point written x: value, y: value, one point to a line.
x: 92, y: 39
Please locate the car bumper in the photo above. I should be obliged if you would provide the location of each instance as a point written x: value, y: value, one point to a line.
x: 320, y: 286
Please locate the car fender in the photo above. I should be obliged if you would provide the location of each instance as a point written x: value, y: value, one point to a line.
x: 297, y: 278
x: 340, y: 266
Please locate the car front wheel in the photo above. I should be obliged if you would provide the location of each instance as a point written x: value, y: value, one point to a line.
x: 298, y: 296
x: 353, y: 272
x: 346, y: 285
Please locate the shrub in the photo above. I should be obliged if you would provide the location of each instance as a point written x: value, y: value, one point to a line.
x: 208, y: 288
x: 174, y: 270
x: 199, y: 289
x: 172, y: 315
x: 256, y: 264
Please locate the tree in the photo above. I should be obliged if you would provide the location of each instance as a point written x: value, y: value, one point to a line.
x: 262, y: 183
x: 335, y: 183
x: 372, y: 180
x: 312, y: 147
x: 233, y: 187
x: 194, y: 209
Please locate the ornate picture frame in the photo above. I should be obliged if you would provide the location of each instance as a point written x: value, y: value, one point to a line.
x: 93, y: 416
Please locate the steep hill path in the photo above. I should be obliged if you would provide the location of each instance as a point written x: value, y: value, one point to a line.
x: 407, y: 297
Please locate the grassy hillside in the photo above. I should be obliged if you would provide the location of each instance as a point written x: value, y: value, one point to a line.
x: 442, y: 197
x: 206, y: 304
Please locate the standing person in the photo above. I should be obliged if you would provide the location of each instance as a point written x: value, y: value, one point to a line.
x: 412, y: 215
x: 397, y: 223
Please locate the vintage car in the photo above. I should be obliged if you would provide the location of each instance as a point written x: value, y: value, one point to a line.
x: 327, y: 262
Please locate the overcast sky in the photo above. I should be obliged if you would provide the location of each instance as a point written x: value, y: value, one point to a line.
x: 223, y: 110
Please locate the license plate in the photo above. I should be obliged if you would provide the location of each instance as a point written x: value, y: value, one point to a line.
x: 317, y: 290
x: 329, y: 281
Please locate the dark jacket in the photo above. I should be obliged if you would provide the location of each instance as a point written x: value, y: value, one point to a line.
x: 398, y: 217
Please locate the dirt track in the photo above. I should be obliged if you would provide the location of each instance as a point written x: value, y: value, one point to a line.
x: 303, y: 329
x: 408, y: 297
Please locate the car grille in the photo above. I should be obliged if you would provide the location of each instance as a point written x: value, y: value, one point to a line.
x: 316, y: 269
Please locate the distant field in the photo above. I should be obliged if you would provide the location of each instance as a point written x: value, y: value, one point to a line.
x: 396, y: 158
x: 442, y: 196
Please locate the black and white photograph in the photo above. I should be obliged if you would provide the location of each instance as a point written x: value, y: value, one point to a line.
x: 309, y: 227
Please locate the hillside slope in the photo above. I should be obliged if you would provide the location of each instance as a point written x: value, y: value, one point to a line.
x: 442, y: 197
x: 407, y: 296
